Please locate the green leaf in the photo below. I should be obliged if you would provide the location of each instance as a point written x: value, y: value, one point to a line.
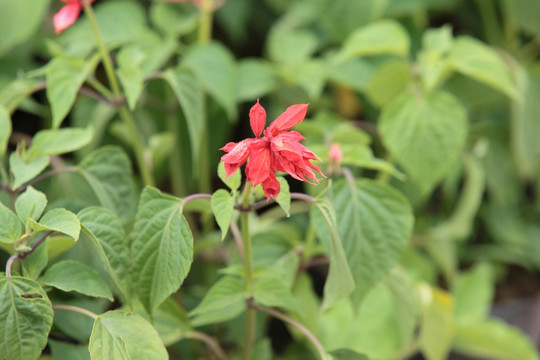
x: 271, y: 291
x: 104, y: 227
x: 124, y: 335
x: 473, y: 58
x: 162, y: 247
x: 405, y: 302
x: 215, y: 67
x: 223, y: 207
x: 72, y: 275
x: 30, y: 204
x: 58, y: 141
x: 354, y: 73
x: 284, y: 197
x: 388, y: 81
x: 174, y: 19
x: 494, y: 339
x: 339, y: 282
x: 425, y: 134
x: 525, y: 14
x: 65, y: 76
x: 26, y: 320
x: 66, y: 351
x: 16, y: 91
x: 188, y: 91
x: 5, y: 129
x: 224, y: 301
x: 437, y: 330
x: 375, y: 223
x: 59, y: 220
x: 15, y: 13
x: 345, y: 354
x: 291, y: 47
x: 108, y: 171
x: 36, y: 261
x: 474, y: 294
x: 10, y: 225
x: 130, y: 74
x: 25, y: 171
x: 377, y: 38
x: 233, y: 182
x: 256, y: 78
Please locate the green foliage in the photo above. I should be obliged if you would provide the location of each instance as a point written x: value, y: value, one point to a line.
x: 30, y: 204
x: 73, y: 276
x: 10, y: 225
x: 124, y: 335
x: 223, y: 207
x: 162, y: 248
x: 27, y: 319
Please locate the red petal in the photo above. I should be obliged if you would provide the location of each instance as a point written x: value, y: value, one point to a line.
x: 259, y: 165
x: 237, y: 156
x: 257, y: 119
x: 66, y: 16
x: 271, y: 187
x: 286, y: 121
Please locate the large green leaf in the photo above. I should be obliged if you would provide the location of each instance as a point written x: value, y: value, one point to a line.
x: 30, y: 204
x: 109, y: 174
x: 494, y: 339
x: 162, y: 247
x: 474, y: 294
x: 188, y: 91
x: 437, y: 330
x: 58, y: 141
x: 424, y: 133
x: 67, y: 351
x: 375, y: 222
x: 65, y: 76
x: 223, y: 207
x: 473, y: 58
x: 13, y: 14
x: 291, y: 47
x: 120, y: 335
x: 380, y: 37
x: 271, y: 291
x: 72, y: 275
x: 339, y: 282
x: 10, y: 225
x: 224, y: 301
x: 26, y: 319
x: 5, y: 129
x: 16, y: 91
x: 25, y: 171
x: 59, y: 220
x: 106, y: 229
x: 256, y: 78
x: 215, y: 67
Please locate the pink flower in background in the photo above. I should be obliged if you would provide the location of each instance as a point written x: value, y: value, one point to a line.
x: 278, y: 150
x: 67, y: 15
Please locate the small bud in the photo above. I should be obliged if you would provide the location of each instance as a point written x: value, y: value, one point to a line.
x: 336, y: 155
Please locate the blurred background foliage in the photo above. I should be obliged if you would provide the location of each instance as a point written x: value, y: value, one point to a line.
x: 436, y: 97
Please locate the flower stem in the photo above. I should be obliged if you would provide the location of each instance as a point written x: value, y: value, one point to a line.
x: 208, y: 340
x: 248, y: 265
x: 283, y: 317
x: 75, y: 309
x: 126, y: 116
x: 205, y: 26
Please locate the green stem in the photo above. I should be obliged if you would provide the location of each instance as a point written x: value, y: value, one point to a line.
x: 248, y: 265
x: 136, y: 141
x: 489, y: 20
x: 208, y: 340
x: 205, y: 26
x: 312, y: 338
x: 99, y: 87
x: 75, y: 309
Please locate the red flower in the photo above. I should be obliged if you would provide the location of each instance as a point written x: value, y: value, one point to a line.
x: 278, y: 150
x: 67, y: 15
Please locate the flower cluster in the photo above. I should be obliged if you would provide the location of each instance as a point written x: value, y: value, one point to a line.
x: 278, y: 150
x: 68, y: 14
